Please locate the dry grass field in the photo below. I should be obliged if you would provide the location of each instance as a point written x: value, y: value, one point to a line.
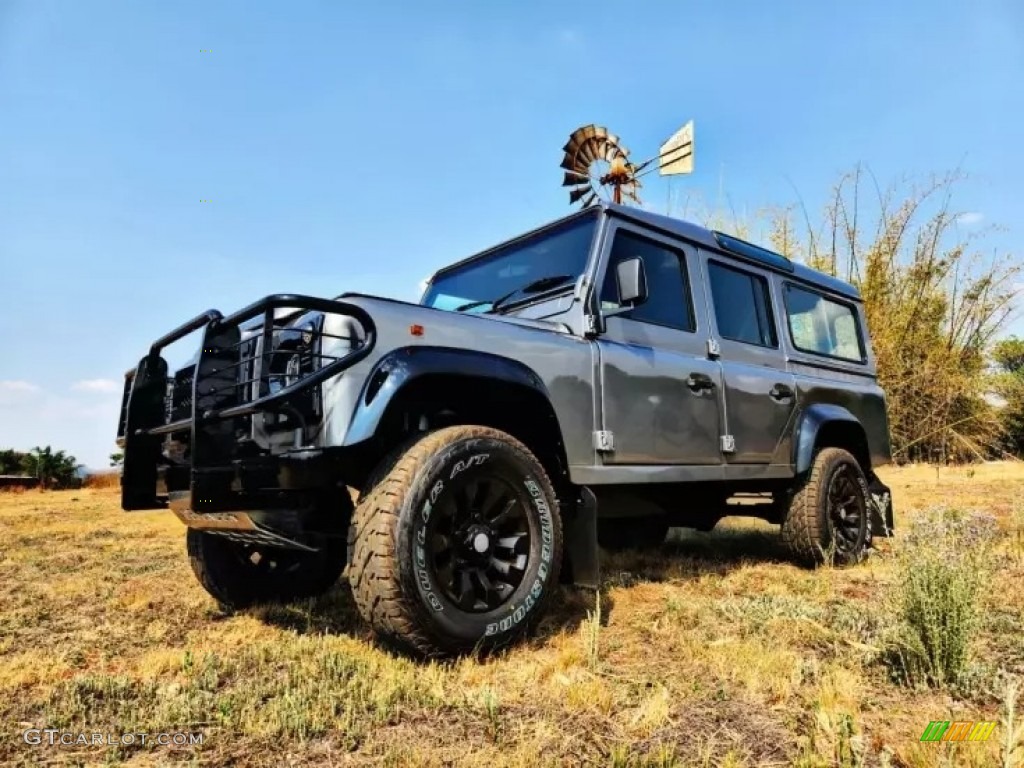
x: 714, y: 651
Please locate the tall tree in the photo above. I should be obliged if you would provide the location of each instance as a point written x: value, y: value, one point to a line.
x: 1008, y: 384
x: 11, y: 462
x: 55, y: 469
x: 933, y: 302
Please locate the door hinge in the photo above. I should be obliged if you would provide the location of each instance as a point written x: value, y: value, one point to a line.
x: 713, y: 349
x: 590, y: 325
x: 728, y: 444
x: 604, y: 440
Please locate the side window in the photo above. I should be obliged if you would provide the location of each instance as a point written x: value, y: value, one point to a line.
x: 668, y: 289
x: 821, y: 326
x: 743, y: 309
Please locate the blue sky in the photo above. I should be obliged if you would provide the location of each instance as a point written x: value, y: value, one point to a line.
x: 359, y: 146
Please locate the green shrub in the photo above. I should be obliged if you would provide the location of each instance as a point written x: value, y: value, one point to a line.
x: 944, y: 563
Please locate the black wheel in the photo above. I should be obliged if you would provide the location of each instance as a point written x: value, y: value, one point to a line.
x: 827, y: 520
x: 239, y: 574
x: 620, y: 533
x: 458, y: 546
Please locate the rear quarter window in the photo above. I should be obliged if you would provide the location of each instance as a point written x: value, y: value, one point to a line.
x: 822, y: 326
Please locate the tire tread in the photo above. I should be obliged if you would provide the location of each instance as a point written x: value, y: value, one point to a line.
x: 805, y: 530
x: 374, y: 567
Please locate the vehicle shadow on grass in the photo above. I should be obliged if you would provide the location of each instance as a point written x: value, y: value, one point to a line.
x: 333, y: 613
x: 685, y: 554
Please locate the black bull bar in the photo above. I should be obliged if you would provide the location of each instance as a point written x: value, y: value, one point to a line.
x: 218, y: 398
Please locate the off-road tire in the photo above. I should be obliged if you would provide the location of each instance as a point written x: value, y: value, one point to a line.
x: 617, y: 534
x: 225, y: 569
x: 808, y: 530
x: 396, y: 590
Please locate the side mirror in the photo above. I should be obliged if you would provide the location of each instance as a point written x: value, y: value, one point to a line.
x: 632, y: 281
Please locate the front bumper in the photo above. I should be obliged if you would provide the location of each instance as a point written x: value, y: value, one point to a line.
x: 228, y: 388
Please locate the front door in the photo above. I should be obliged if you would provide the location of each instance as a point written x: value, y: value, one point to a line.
x: 760, y: 393
x: 659, y: 391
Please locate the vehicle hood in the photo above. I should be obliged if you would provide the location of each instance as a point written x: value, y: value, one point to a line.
x: 380, y: 307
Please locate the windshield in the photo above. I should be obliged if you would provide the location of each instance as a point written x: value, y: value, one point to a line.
x: 561, y: 251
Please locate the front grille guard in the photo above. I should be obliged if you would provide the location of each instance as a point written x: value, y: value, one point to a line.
x: 222, y: 393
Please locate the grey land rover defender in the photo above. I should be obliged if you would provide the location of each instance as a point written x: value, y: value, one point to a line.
x: 592, y: 382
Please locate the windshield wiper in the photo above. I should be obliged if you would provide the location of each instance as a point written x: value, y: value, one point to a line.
x: 538, y: 285
x: 472, y: 305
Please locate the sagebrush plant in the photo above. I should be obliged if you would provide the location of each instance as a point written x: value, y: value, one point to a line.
x: 944, y: 563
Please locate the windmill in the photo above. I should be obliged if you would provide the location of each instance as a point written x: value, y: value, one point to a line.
x: 597, y: 165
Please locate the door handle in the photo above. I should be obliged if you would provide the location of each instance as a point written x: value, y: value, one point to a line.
x: 780, y: 392
x: 697, y: 382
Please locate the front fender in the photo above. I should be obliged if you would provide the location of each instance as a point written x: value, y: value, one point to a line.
x: 809, y: 425
x: 401, y: 366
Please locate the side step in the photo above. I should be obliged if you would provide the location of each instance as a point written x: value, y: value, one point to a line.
x: 237, y: 526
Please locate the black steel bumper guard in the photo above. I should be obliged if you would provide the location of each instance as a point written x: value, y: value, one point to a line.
x: 223, y: 394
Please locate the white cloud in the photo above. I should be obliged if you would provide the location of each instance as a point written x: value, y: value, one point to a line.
x: 105, y: 386
x: 970, y: 218
x: 15, y: 385
x: 15, y: 392
x: 84, y: 425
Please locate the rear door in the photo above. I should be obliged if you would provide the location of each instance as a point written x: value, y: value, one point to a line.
x: 659, y: 391
x: 760, y: 393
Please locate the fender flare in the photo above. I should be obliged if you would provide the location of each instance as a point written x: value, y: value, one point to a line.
x: 809, y: 425
x: 401, y: 366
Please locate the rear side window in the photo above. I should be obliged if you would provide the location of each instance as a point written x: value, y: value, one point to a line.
x: 822, y: 326
x: 743, y: 309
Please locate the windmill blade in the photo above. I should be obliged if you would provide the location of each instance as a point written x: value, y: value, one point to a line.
x: 572, y: 178
x: 589, y: 152
x: 573, y: 161
x: 576, y: 194
x: 584, y: 135
x: 613, y: 149
x: 570, y: 163
x: 589, y: 201
x: 576, y: 138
